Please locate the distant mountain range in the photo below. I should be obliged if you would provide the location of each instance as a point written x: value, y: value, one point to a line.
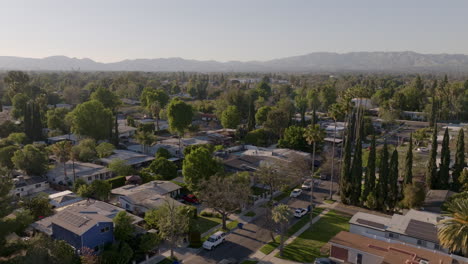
x: 314, y: 62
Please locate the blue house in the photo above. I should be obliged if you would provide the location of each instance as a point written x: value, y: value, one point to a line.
x: 83, y: 229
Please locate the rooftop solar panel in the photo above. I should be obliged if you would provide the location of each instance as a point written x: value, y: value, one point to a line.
x: 73, y: 219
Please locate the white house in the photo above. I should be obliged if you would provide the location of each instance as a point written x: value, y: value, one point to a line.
x: 29, y: 185
x: 89, y: 172
x: 64, y: 198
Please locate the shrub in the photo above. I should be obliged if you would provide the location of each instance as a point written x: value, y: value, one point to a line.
x: 117, y: 181
x: 195, y: 239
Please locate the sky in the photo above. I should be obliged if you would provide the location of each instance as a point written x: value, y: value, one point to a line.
x: 114, y: 30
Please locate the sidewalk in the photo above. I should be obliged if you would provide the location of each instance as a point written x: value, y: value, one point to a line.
x: 270, y: 258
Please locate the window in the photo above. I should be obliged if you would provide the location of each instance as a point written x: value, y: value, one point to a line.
x: 90, y: 178
x: 105, y: 229
x: 436, y: 246
x: 359, y: 258
x: 421, y: 242
x: 393, y: 235
x: 38, y: 185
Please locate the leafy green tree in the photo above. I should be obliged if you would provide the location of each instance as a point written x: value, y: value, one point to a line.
x: 301, y: 103
x: 148, y: 242
x: 163, y: 168
x: 105, y: 149
x: 277, y: 121
x: 408, y: 177
x: 258, y: 137
x: 118, y: 253
x: 18, y: 138
x: 17, y: 82
x: 85, y: 191
x: 444, y: 171
x: 91, y: 119
x: 281, y: 215
x: 262, y: 115
x: 98, y: 189
x: 155, y: 101
x: 6, y: 154
x: 369, y: 183
x: 171, y: 222
x: 62, y: 151
x: 459, y: 161
x: 179, y: 115
x: 263, y: 89
x: 33, y: 121
x: 163, y: 153
x: 225, y: 194
x: 463, y: 180
x: 413, y: 195
x: 6, y: 204
x: 293, y: 138
x: 31, y: 159
x: 42, y: 249
x: 120, y: 167
x: 85, y: 151
x: 19, y: 103
x: 199, y: 165
x: 431, y: 174
x: 107, y: 98
x: 39, y: 206
x: 382, y: 184
x: 230, y: 117
x: 123, y: 227
x: 145, y: 139
x: 56, y: 120
x: 393, y: 194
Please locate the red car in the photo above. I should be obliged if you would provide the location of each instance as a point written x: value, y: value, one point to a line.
x: 190, y: 198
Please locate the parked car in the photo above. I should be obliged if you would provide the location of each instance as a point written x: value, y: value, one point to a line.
x: 307, y: 185
x: 214, y: 240
x: 300, y: 212
x: 323, y: 261
x: 190, y: 198
x: 422, y: 149
x: 295, y: 193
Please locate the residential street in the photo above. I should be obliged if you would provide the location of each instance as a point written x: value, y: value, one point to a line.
x: 242, y: 242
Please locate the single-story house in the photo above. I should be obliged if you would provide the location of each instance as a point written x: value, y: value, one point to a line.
x: 347, y: 247
x: 140, y: 198
x: 152, y: 150
x: 89, y: 172
x: 131, y: 158
x: 64, y: 198
x: 29, y: 185
x: 412, y: 115
x: 74, y: 139
x: 435, y: 199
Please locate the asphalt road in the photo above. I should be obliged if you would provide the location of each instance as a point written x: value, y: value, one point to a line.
x: 243, y: 242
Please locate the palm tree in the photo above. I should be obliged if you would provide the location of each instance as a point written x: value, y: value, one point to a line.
x: 155, y: 108
x: 335, y: 112
x: 312, y: 135
x: 453, y: 232
x: 145, y: 138
x: 281, y: 215
x: 62, y: 151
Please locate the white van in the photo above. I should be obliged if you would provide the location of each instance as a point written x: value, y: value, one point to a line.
x: 214, y: 240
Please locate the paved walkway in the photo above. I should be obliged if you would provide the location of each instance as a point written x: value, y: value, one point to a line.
x: 270, y: 258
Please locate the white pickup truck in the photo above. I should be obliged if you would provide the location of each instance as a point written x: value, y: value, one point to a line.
x: 214, y: 240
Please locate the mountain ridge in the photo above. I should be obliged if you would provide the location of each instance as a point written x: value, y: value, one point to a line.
x: 380, y: 61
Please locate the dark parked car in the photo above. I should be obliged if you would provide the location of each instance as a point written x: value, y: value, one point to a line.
x: 190, y: 198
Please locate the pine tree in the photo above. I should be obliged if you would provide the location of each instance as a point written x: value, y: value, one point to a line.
x: 382, y: 184
x: 408, y: 177
x: 444, y: 174
x: 369, y: 185
x: 459, y: 161
x: 393, y: 194
x: 356, y: 170
x: 431, y: 174
x: 345, y: 184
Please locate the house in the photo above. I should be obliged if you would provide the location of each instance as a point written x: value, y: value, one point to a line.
x: 74, y: 139
x: 64, y: 198
x: 140, y: 198
x: 411, y: 115
x: 82, y: 208
x: 366, y: 103
x: 415, y: 227
x: 208, y: 117
x: 67, y: 106
x: 83, y: 229
x: 152, y: 150
x: 89, y: 172
x: 130, y: 101
x: 125, y: 131
x: 435, y: 199
x: 29, y: 185
x: 131, y: 158
x: 347, y: 247
x: 242, y: 163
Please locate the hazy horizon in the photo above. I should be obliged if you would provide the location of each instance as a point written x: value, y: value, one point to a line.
x: 110, y: 31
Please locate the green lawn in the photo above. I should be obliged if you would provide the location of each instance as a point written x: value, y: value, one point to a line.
x: 204, y: 223
x: 230, y: 225
x: 306, y: 247
x: 270, y: 246
x: 329, y: 201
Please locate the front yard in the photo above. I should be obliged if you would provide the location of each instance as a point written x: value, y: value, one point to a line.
x: 204, y: 223
x: 306, y: 247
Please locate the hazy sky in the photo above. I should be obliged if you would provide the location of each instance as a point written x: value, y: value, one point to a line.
x: 228, y: 30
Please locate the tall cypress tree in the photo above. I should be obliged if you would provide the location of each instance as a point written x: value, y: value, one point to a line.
x: 459, y: 161
x: 356, y: 170
x: 432, y: 119
x: 444, y: 174
x: 408, y: 177
x: 345, y: 184
x: 369, y: 184
x: 382, y: 184
x: 251, y: 116
x: 393, y: 194
x: 431, y: 173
